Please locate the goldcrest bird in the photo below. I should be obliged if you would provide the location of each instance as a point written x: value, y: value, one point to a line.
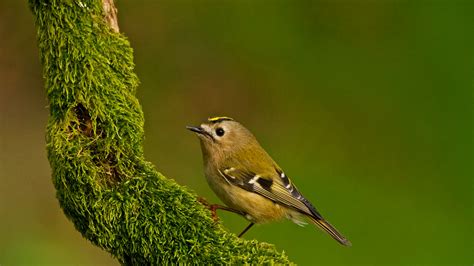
x: 247, y: 179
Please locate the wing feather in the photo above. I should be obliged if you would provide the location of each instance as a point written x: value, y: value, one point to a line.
x: 278, y: 189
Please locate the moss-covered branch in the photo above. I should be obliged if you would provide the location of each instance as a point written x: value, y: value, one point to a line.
x: 113, y: 196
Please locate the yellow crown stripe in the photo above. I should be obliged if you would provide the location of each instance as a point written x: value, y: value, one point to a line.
x: 219, y: 118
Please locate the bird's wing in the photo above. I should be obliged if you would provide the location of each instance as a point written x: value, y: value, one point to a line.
x: 275, y: 186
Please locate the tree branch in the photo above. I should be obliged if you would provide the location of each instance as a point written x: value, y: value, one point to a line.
x: 110, y: 13
x: 113, y: 196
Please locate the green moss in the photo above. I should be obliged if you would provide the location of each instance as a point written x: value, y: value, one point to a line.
x: 113, y: 196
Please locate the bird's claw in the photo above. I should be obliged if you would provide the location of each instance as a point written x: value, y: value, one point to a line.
x: 213, y: 208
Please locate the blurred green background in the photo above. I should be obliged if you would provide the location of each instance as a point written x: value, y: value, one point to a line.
x: 367, y: 105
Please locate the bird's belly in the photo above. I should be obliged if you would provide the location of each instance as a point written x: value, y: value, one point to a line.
x: 258, y: 208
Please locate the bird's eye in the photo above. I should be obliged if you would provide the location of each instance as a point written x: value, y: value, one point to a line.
x: 220, y: 132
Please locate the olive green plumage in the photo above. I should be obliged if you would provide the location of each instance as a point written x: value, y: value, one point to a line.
x: 112, y: 195
x: 248, y: 180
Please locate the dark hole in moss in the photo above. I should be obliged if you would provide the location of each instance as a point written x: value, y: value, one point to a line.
x: 85, y: 122
x: 110, y: 166
x: 109, y: 163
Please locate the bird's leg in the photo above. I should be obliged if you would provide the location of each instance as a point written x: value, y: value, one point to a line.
x: 246, y: 229
x: 214, y: 207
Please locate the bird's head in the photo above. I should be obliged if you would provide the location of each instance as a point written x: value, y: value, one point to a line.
x: 222, y: 135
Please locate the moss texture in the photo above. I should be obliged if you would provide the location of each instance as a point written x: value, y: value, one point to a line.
x: 114, y: 197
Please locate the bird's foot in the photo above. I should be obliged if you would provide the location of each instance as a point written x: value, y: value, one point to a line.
x: 214, y: 207
x: 203, y: 201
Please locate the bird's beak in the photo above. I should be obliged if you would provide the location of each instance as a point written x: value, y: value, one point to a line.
x: 198, y: 130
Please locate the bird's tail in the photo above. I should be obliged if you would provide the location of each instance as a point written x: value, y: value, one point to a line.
x: 323, y: 224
